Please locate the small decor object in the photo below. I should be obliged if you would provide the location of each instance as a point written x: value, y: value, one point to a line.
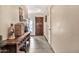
x: 11, y: 32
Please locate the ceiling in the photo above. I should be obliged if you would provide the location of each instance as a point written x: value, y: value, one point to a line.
x: 36, y: 8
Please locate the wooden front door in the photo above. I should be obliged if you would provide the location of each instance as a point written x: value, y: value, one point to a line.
x: 39, y: 25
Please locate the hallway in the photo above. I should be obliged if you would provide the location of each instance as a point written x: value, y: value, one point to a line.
x: 39, y: 45
x: 58, y: 24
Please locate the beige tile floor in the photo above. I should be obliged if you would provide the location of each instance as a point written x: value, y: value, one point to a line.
x: 39, y: 44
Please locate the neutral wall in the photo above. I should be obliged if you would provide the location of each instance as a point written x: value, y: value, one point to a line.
x: 8, y: 14
x: 65, y: 28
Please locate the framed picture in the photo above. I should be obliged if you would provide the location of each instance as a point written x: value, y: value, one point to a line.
x: 46, y: 18
x: 20, y: 11
x: 20, y: 14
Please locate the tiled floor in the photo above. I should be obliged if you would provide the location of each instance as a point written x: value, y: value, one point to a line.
x: 39, y: 45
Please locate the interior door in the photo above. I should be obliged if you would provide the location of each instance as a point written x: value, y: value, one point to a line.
x: 39, y: 25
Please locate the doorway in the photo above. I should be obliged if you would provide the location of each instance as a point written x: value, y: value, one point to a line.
x: 38, y: 25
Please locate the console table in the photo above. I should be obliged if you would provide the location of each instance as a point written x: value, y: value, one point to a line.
x: 18, y: 44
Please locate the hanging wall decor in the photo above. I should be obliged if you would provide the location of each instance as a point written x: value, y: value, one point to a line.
x: 45, y: 18
x: 20, y: 14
